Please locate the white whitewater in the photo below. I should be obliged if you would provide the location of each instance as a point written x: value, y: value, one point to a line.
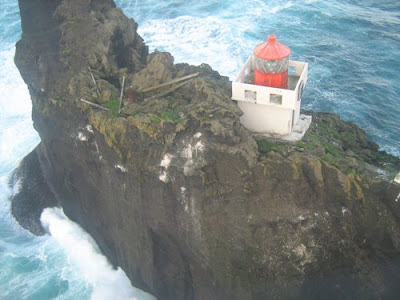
x: 83, y: 253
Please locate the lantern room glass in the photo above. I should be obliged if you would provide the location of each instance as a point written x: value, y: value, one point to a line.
x: 270, y: 66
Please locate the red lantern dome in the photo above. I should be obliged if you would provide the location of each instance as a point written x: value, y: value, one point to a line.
x: 271, y: 63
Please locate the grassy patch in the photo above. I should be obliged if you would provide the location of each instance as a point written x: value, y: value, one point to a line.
x: 61, y: 99
x: 300, y: 144
x: 113, y: 106
x: 349, y: 138
x: 155, y: 119
x: 351, y: 172
x: 171, y: 115
x: 329, y: 159
x: 329, y: 131
x: 265, y: 146
x: 332, y: 150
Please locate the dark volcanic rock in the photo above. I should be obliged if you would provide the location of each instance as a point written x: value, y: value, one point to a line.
x: 178, y: 193
x: 64, y: 38
x: 32, y: 193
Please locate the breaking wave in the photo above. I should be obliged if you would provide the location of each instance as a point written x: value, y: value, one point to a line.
x: 83, y: 253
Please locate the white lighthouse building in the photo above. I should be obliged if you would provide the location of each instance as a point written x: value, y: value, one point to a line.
x: 268, y: 90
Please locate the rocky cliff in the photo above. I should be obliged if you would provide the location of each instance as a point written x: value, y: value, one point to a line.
x: 176, y: 191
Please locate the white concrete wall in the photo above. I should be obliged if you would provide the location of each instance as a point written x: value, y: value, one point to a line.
x: 297, y: 111
x: 263, y: 95
x: 299, y: 66
x: 266, y: 119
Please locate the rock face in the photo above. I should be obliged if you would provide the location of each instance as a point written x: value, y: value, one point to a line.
x: 177, y: 192
x: 34, y: 193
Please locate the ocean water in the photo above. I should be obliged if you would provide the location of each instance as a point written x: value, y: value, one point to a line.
x: 353, y: 51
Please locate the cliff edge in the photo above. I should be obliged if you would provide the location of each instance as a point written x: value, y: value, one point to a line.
x: 176, y: 191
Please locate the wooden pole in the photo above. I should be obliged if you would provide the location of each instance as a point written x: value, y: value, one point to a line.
x: 167, y: 91
x: 94, y: 81
x: 170, y: 82
x: 122, y: 94
x: 101, y: 107
x: 94, y: 104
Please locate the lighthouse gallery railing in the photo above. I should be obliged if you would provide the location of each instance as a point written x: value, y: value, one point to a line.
x: 284, y: 98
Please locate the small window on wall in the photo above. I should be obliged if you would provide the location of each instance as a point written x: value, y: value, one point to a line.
x: 250, y: 95
x: 275, y: 99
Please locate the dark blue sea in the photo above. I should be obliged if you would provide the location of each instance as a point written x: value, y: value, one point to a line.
x: 353, y: 51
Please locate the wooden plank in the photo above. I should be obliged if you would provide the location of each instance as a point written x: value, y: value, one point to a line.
x: 101, y: 107
x: 94, y: 104
x: 94, y: 81
x: 122, y: 94
x: 170, y: 82
x: 167, y: 91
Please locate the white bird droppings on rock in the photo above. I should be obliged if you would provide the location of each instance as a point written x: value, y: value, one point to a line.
x: 166, y: 160
x: 301, y: 218
x: 163, y: 176
x: 199, y: 147
x: 183, y: 199
x: 345, y: 211
x: 397, y: 178
x: 89, y: 128
x: 82, y: 137
x: 121, y: 168
x: 191, y: 152
x: 300, y: 250
x: 187, y: 152
x: 198, y: 135
x: 164, y: 164
x: 97, y: 147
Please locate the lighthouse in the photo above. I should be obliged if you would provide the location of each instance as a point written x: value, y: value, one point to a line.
x: 268, y: 90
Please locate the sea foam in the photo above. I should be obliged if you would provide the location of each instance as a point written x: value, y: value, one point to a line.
x: 83, y: 252
x: 17, y: 136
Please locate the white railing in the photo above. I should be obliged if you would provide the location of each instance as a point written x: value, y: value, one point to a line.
x: 283, y: 98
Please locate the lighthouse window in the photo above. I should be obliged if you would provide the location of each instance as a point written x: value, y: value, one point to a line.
x: 250, y: 95
x: 275, y: 99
